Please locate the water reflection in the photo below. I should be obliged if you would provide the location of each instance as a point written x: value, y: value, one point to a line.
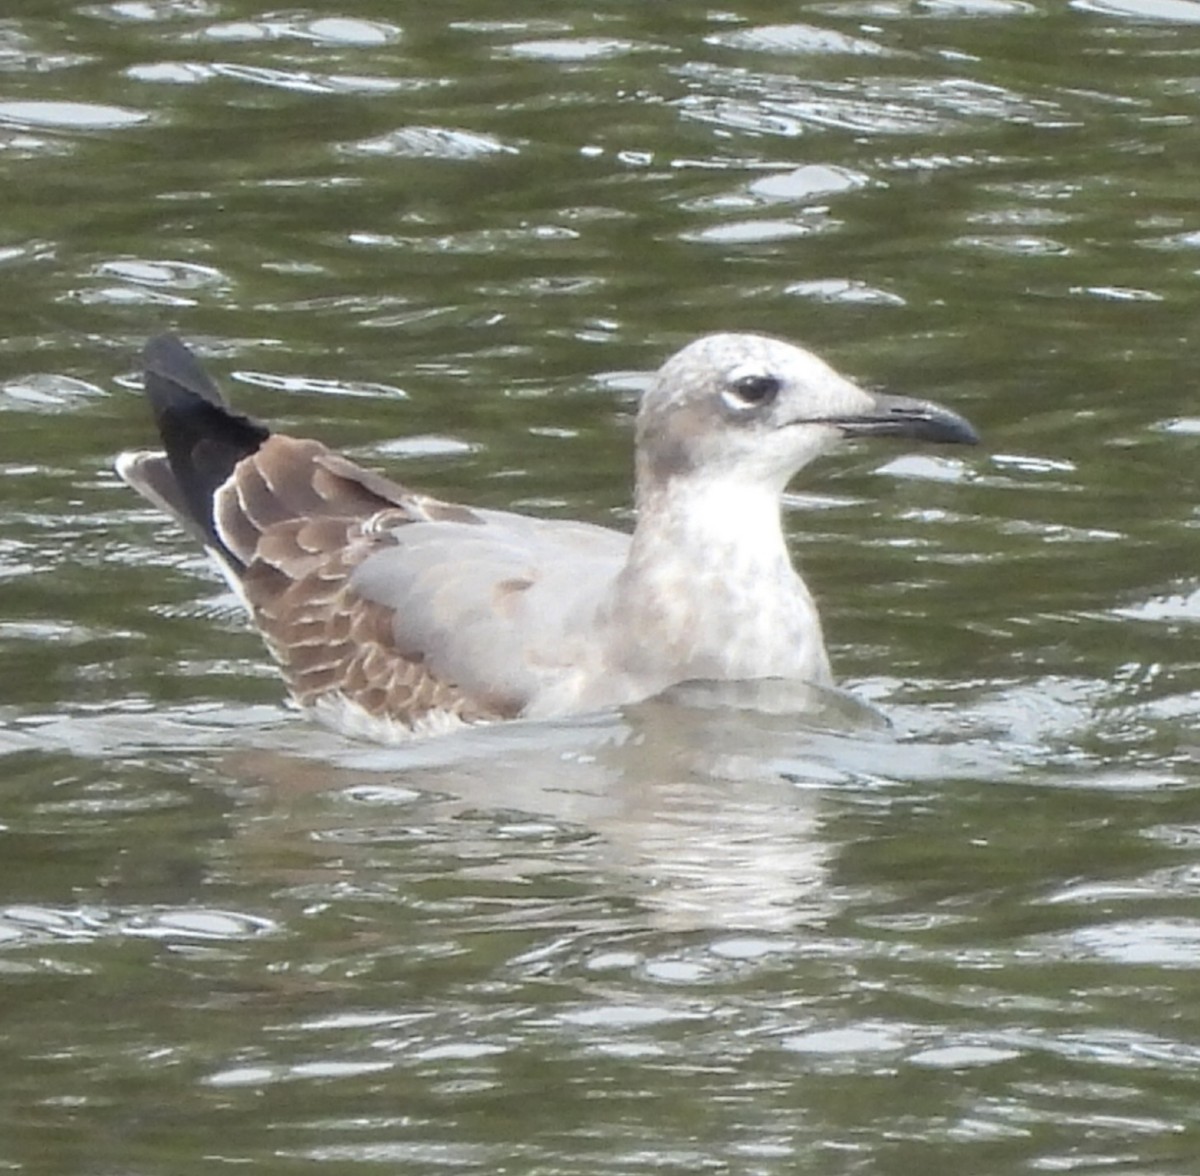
x: 704, y: 814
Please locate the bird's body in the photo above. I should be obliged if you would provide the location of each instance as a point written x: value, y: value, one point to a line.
x: 393, y: 614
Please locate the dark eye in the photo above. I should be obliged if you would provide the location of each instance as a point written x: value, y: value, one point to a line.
x: 755, y: 390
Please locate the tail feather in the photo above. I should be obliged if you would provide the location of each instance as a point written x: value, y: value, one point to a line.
x: 227, y: 480
x: 150, y: 475
x: 204, y: 439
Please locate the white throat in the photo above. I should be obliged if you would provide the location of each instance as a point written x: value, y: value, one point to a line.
x: 716, y: 523
x: 709, y: 591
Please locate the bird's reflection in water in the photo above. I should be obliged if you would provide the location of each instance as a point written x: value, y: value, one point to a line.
x: 703, y: 806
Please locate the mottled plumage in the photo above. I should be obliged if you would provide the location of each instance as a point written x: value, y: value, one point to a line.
x: 393, y: 614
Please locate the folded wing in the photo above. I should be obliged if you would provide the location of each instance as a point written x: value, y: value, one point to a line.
x: 398, y: 610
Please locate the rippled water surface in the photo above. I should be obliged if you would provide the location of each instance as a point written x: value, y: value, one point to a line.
x: 694, y: 937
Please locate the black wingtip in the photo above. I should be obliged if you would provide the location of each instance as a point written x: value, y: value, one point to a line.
x: 204, y: 439
x: 166, y: 358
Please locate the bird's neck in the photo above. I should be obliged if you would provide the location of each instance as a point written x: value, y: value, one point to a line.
x: 709, y: 590
x: 717, y: 524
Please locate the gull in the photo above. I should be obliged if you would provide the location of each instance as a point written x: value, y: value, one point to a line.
x: 392, y: 614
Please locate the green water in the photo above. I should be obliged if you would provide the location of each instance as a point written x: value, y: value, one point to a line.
x: 451, y: 239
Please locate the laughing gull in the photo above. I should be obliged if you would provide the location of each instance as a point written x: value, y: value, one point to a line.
x: 393, y: 614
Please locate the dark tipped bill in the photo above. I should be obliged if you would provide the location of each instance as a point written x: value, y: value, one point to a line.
x: 902, y: 416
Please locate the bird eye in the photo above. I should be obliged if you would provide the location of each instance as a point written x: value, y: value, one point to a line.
x: 753, y: 390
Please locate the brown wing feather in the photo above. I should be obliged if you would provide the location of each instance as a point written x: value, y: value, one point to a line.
x: 302, y: 519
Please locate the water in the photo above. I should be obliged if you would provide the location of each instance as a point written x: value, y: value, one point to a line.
x: 691, y: 937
